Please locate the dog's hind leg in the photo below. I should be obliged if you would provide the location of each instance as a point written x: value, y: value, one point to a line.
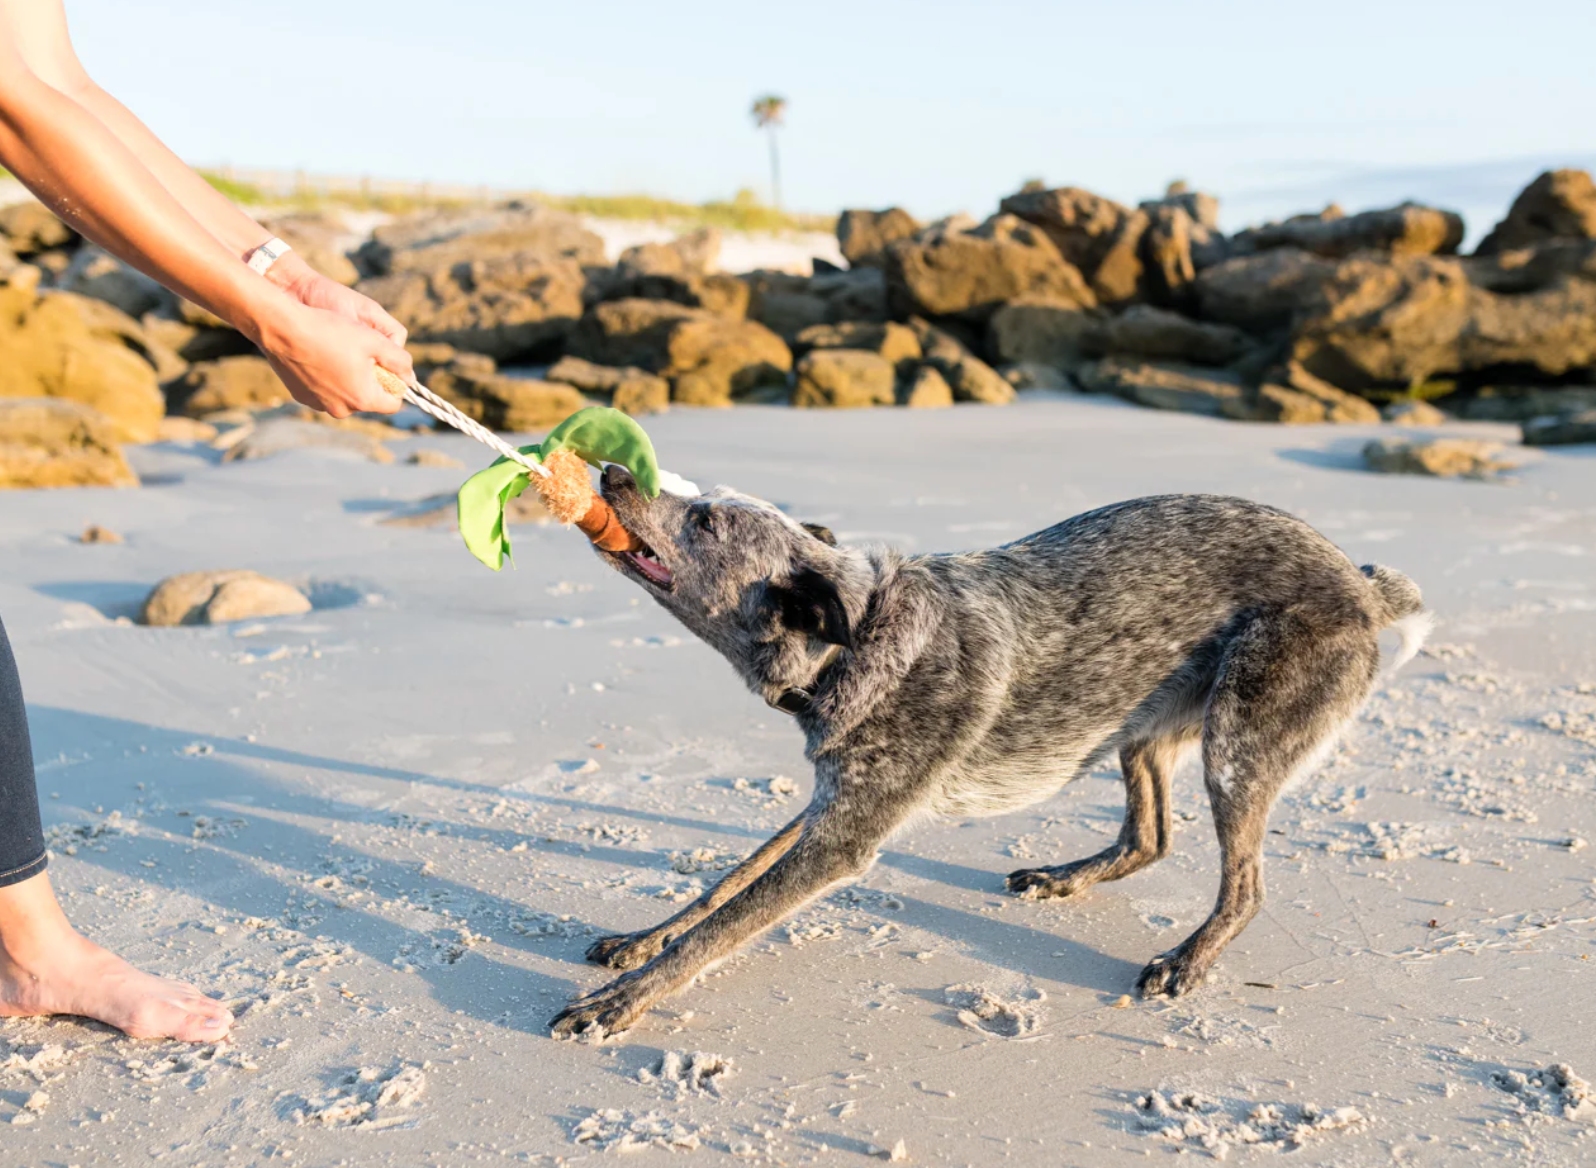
x: 839, y: 841
x: 1287, y: 684
x: 1144, y: 836
x: 630, y: 950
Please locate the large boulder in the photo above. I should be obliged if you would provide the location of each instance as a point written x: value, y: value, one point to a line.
x: 629, y: 332
x: 864, y: 236
x: 1161, y: 335
x: 971, y: 275
x: 844, y: 379
x: 1261, y: 293
x: 1043, y: 331
x: 970, y: 378
x: 1295, y: 396
x: 30, y: 229
x: 213, y: 598
x: 1084, y: 227
x: 630, y: 390
x: 1166, y: 386
x: 499, y: 402
x: 510, y: 307
x: 65, y: 346
x: 786, y: 304
x: 1397, y: 322
x: 712, y: 361
x: 679, y: 271
x: 1408, y: 229
x: 53, y: 442
x: 1559, y: 204
x: 441, y: 239
x: 101, y: 276
x: 896, y: 343
x: 231, y: 383
x: 927, y: 389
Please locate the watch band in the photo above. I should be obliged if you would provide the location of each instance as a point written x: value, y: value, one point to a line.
x: 263, y: 257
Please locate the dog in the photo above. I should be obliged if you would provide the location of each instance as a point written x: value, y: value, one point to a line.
x: 981, y: 682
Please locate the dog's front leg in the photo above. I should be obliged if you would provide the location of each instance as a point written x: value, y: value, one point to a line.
x: 831, y: 846
x: 631, y: 950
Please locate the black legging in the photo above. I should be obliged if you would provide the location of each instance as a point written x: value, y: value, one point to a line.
x: 21, y: 834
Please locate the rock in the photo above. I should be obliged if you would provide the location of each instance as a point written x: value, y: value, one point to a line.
x: 631, y: 390
x: 31, y: 229
x: 321, y: 240
x: 970, y: 378
x: 630, y: 332
x: 1412, y: 412
x: 895, y: 343
x: 430, y: 355
x: 858, y: 295
x: 512, y: 307
x: 1083, y: 226
x: 1408, y: 229
x: 927, y: 390
x: 501, y: 402
x: 192, y: 342
x: 1157, y: 333
x: 711, y: 361
x: 101, y: 276
x: 1559, y: 204
x: 54, y: 442
x: 94, y: 533
x: 1165, y: 386
x: 678, y: 271
x: 844, y: 379
x: 60, y: 345
x: 1043, y: 331
x: 1168, y: 263
x: 279, y: 435
x: 1520, y: 403
x: 1118, y: 276
x: 1030, y: 375
x: 185, y: 431
x: 972, y: 275
x: 1561, y: 429
x: 442, y: 511
x: 1293, y: 395
x: 436, y: 459
x: 864, y: 236
x: 437, y: 241
x: 232, y: 383
x: 1441, y: 457
x: 1403, y: 321
x: 213, y: 598
x: 1261, y: 293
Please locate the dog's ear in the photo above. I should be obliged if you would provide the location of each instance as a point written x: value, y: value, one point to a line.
x: 810, y: 603
x: 823, y: 534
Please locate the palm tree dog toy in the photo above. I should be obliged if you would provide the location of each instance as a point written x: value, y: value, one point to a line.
x: 556, y: 468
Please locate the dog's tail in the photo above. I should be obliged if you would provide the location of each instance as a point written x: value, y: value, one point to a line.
x: 1404, y: 605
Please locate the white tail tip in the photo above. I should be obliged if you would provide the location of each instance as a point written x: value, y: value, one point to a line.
x: 1413, y: 629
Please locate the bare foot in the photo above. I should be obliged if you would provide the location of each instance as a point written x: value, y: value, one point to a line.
x: 46, y: 967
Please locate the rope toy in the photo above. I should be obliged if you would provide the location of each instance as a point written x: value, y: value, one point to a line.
x: 556, y: 468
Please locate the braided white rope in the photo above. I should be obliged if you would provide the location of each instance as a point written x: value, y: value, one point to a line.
x: 428, y: 402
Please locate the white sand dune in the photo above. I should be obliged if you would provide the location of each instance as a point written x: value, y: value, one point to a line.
x: 387, y: 830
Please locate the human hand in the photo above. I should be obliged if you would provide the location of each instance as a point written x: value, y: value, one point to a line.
x: 314, y: 290
x: 328, y: 362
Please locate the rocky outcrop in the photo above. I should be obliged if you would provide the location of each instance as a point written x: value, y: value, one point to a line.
x: 1162, y: 335
x: 971, y: 275
x: 1559, y: 204
x: 970, y: 378
x: 631, y: 390
x: 53, y: 442
x: 1167, y: 386
x: 864, y: 236
x: 213, y: 598
x: 59, y: 345
x: 1084, y: 227
x: 843, y: 379
x: 896, y: 343
x: 232, y: 383
x: 472, y: 384
x: 1261, y: 293
x: 30, y: 229
x: 439, y: 241
x: 1293, y: 395
x: 709, y: 360
x: 680, y: 271
x: 510, y: 307
x: 1043, y: 331
x: 1406, y: 230
x: 927, y: 389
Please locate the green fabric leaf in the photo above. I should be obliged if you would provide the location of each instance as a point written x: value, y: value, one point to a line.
x: 596, y: 435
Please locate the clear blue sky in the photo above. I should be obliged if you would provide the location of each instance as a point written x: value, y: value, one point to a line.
x: 937, y: 106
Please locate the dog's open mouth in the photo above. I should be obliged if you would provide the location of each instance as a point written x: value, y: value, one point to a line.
x: 649, y: 566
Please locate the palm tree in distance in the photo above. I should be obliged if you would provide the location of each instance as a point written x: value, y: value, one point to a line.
x: 768, y: 112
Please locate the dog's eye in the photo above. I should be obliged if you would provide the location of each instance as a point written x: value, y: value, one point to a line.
x: 704, y: 518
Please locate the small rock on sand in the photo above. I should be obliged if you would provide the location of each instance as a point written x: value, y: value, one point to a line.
x: 212, y: 598
x: 94, y: 533
x: 1469, y: 458
x: 1566, y: 429
x: 434, y: 458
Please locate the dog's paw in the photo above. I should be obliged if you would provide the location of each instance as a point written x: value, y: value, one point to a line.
x: 1172, y: 975
x: 604, y: 1013
x: 1043, y: 883
x: 626, y: 950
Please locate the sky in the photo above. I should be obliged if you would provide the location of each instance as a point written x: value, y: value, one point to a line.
x: 1277, y: 106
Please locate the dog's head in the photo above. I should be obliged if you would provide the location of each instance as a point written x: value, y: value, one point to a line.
x: 777, y: 598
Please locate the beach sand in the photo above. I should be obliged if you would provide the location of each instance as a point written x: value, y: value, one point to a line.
x: 387, y: 830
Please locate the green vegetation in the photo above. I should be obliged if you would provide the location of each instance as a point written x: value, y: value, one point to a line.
x: 237, y: 191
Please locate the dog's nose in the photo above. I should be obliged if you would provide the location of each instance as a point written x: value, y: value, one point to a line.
x: 616, y: 476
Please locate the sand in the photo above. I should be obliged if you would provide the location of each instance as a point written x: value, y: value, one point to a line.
x: 387, y: 830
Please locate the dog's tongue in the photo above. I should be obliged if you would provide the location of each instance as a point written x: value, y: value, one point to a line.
x: 650, y: 567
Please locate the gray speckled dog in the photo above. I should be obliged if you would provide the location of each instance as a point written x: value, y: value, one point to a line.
x: 979, y: 683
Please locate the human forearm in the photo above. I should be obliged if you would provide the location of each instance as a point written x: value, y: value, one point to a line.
x: 84, y: 173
